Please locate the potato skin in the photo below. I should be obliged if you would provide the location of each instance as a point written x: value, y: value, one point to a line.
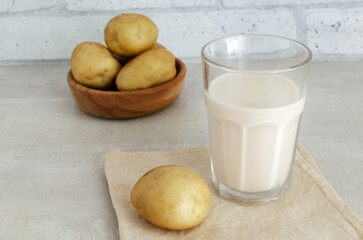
x: 130, y: 34
x: 93, y: 65
x: 148, y: 69
x: 172, y: 197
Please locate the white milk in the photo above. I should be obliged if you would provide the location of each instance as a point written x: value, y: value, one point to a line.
x: 253, y: 123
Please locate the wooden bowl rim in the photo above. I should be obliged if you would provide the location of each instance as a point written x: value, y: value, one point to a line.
x: 178, y: 77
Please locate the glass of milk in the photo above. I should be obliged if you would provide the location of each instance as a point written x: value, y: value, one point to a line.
x: 254, y: 90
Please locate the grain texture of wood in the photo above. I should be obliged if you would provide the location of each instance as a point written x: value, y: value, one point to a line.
x: 127, y: 104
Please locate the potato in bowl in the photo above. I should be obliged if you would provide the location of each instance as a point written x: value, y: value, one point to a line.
x: 93, y: 65
x: 130, y: 34
x: 148, y: 69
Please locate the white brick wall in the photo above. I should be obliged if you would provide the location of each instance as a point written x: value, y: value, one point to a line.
x: 249, y: 3
x: 83, y: 5
x: 335, y: 31
x: 182, y: 36
x: 39, y: 38
x: 50, y: 29
x: 25, y: 5
x: 185, y: 36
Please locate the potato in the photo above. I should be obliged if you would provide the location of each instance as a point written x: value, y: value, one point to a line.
x: 148, y: 69
x: 172, y: 197
x: 130, y: 34
x: 93, y: 65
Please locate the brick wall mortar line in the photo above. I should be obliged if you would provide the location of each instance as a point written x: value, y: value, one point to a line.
x: 60, y: 9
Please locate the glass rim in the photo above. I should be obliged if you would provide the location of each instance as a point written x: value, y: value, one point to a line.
x: 305, y: 62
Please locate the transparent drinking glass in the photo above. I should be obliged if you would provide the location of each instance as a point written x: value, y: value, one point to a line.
x: 254, y: 90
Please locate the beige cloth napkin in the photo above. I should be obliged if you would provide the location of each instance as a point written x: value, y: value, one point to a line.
x: 310, y: 209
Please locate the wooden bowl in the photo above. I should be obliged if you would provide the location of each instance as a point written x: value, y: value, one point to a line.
x: 127, y: 104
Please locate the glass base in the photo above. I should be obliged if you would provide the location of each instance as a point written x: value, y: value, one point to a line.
x: 250, y: 198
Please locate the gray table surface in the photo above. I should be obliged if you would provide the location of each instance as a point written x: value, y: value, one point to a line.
x: 52, y: 153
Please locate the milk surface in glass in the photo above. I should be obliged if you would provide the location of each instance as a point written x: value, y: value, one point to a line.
x: 253, y: 124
